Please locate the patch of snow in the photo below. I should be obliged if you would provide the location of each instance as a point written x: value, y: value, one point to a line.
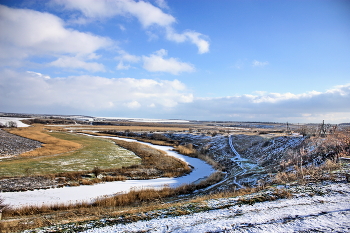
x: 4, y: 120
x: 327, y: 213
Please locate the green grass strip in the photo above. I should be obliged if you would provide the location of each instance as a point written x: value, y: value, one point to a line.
x: 95, y: 152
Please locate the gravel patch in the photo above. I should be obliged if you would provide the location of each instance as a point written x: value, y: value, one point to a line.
x: 12, y: 145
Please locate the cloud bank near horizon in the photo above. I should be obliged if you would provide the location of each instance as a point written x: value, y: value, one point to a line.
x: 34, y: 92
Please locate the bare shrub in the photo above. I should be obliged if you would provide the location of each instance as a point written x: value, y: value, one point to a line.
x: 284, y: 177
x: 303, y: 175
x: 339, y: 143
x: 96, y: 171
x: 89, y: 181
x: 185, y: 150
x: 114, y: 178
x: 282, y: 193
x: 330, y: 165
x: 11, y: 124
x: 212, y: 179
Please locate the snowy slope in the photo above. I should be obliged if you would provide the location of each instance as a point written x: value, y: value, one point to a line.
x: 327, y: 213
x: 312, y: 208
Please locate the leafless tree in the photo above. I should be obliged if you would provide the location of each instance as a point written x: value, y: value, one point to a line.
x: 12, y: 124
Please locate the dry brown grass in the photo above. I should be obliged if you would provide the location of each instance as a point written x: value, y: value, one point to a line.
x: 131, y: 127
x: 156, y: 159
x: 276, y: 194
x: 114, y: 178
x: 141, y: 139
x: 156, y: 142
x: 156, y: 139
x: 51, y: 145
x: 186, y: 150
x: 339, y: 142
x: 303, y: 175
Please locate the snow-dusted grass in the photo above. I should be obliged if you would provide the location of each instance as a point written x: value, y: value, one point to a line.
x: 94, y: 152
x: 321, y: 207
x: 328, y: 212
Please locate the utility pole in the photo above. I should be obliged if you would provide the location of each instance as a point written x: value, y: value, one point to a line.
x: 322, y: 130
x: 288, y: 131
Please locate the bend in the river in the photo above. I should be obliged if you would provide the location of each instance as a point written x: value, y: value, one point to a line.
x: 85, y: 193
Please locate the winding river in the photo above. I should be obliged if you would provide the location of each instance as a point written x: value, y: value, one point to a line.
x: 77, y: 194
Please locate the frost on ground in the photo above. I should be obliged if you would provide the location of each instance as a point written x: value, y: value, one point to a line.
x: 312, y: 208
x: 246, y: 158
x: 327, y: 213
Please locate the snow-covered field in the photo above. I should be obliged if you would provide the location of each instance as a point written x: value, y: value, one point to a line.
x: 328, y: 212
x: 4, y: 121
x: 92, y: 192
x: 320, y: 207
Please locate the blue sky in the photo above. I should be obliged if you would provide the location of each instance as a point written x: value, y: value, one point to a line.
x: 235, y: 60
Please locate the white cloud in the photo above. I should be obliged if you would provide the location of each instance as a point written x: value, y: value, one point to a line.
x: 122, y: 27
x: 35, y: 74
x: 77, y: 63
x: 192, y: 36
x: 256, y: 63
x: 121, y: 66
x: 45, y: 33
x: 156, y: 63
x: 35, y: 92
x: 124, y: 56
x: 162, y: 4
x: 26, y: 33
x: 91, y: 8
x: 331, y: 106
x: 146, y: 13
x: 133, y: 104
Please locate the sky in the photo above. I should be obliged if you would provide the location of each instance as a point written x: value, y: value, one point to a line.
x: 227, y: 60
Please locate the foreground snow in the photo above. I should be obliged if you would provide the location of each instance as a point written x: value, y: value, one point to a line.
x: 5, y: 120
x: 92, y: 192
x: 328, y: 212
